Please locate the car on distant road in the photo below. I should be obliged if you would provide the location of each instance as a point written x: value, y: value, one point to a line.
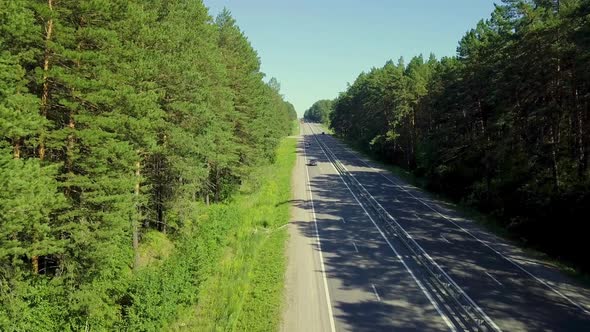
x: 322, y: 133
x: 312, y: 162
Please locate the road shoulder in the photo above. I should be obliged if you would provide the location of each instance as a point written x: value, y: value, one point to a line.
x: 305, y: 306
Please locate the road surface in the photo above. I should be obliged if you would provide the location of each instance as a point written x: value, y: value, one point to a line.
x: 350, y: 270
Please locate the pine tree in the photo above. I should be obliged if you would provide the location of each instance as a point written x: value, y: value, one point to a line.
x: 115, y: 117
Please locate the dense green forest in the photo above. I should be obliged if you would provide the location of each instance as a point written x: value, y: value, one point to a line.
x: 504, y: 125
x: 118, y: 118
x: 319, y: 111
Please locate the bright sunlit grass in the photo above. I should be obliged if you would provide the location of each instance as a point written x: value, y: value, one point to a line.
x: 244, y: 290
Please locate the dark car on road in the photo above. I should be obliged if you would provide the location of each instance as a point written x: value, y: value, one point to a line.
x: 312, y: 162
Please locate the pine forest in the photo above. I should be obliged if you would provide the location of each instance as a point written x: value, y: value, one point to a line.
x: 118, y: 118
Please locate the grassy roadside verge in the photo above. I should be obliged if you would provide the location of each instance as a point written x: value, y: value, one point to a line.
x: 243, y: 290
x: 488, y: 222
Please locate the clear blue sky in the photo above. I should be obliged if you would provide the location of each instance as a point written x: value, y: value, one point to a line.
x: 315, y: 47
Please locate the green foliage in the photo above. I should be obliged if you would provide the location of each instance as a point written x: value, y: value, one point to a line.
x: 156, y: 247
x: 247, y: 262
x: 117, y: 119
x: 28, y: 197
x: 502, y: 126
x: 319, y: 112
x: 157, y: 292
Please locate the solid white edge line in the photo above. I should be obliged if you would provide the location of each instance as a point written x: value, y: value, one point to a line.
x: 579, y: 306
x: 444, y: 317
x: 496, y: 280
x: 317, y: 234
x: 376, y: 294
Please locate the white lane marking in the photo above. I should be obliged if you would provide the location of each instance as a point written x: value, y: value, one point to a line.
x: 444, y: 317
x: 444, y: 239
x: 417, y: 216
x: 579, y: 306
x: 317, y: 234
x: 376, y: 294
x: 343, y: 220
x: 355, y: 248
x: 494, y: 279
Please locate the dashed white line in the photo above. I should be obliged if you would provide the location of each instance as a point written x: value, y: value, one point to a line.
x: 444, y: 239
x: 355, y: 248
x: 376, y: 294
x: 343, y: 220
x: 494, y: 279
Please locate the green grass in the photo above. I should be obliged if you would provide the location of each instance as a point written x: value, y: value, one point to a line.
x: 155, y: 247
x: 243, y: 291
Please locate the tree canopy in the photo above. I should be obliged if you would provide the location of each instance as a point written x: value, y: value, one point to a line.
x: 319, y: 112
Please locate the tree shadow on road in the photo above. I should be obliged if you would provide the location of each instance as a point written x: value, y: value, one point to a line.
x: 403, y: 306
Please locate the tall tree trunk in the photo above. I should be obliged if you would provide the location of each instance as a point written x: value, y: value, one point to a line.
x: 582, y: 158
x: 71, y: 120
x: 579, y: 135
x: 558, y: 99
x: 45, y: 93
x: 16, y: 156
x: 216, y: 184
x: 554, y: 167
x: 44, y: 101
x: 208, y: 193
x: 16, y: 148
x: 70, y: 143
x: 482, y: 118
x: 159, y: 188
x: 69, y: 164
x: 35, y: 263
x: 486, y: 147
x: 135, y: 220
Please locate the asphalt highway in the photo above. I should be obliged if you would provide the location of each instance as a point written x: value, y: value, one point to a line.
x: 349, y: 272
